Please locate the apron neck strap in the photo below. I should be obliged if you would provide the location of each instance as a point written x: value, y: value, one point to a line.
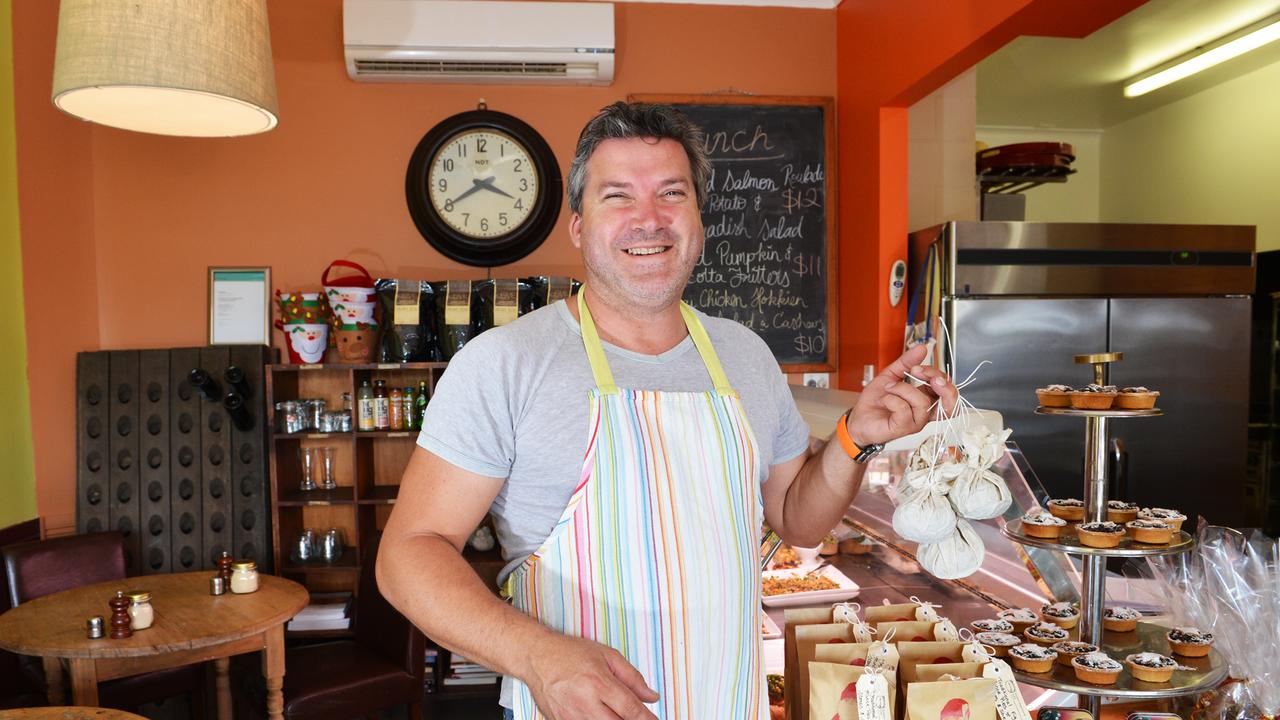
x: 600, y: 365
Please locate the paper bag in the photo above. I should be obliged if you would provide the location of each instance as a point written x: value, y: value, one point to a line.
x: 913, y: 654
x: 806, y: 628
x: 833, y: 691
x: 890, y: 613
x: 952, y: 700
x: 906, y: 630
x: 961, y: 671
x: 851, y: 656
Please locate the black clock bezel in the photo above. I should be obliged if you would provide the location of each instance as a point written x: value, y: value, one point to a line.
x: 501, y: 249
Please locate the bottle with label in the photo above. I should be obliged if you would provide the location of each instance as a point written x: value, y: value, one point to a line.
x: 409, y: 406
x: 381, y: 409
x: 395, y: 409
x: 364, y: 407
x: 421, y: 408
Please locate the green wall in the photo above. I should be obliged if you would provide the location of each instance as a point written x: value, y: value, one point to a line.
x: 17, y: 465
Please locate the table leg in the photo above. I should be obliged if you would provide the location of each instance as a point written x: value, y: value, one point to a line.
x: 53, y: 680
x: 273, y: 671
x: 84, y: 682
x: 222, y: 685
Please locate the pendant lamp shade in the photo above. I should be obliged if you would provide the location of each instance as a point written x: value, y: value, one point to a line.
x: 196, y: 68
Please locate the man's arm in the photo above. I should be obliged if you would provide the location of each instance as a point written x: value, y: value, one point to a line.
x: 422, y: 573
x: 805, y: 497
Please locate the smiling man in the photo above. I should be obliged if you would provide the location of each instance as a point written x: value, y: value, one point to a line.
x: 629, y: 449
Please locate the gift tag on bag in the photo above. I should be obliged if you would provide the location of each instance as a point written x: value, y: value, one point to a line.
x: 945, y: 631
x: 882, y: 656
x: 873, y: 696
x: 925, y: 611
x: 1008, y: 700
x: 976, y: 652
x: 845, y: 612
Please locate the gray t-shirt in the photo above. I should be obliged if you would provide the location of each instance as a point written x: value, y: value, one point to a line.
x: 514, y: 404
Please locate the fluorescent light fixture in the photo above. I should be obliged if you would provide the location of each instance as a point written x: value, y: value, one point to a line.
x: 1220, y: 50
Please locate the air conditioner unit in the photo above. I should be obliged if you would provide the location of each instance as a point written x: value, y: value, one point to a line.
x: 479, y: 41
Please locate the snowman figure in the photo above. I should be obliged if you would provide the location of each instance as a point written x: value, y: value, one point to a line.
x: 309, y: 341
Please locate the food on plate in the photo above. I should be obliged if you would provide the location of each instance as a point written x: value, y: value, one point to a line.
x: 1120, y: 619
x: 999, y: 626
x: 1119, y: 511
x: 1063, y: 614
x: 1045, y: 633
x: 1069, y: 509
x: 1040, y: 524
x: 1055, y: 395
x: 1069, y: 649
x: 1105, y: 534
x: 1020, y: 618
x: 1094, y: 397
x: 1000, y: 642
x: 1151, y: 667
x: 797, y: 583
x: 1096, y: 668
x: 1032, y: 658
x: 786, y: 557
x: 1136, y: 398
x: 1189, y: 641
x: 1151, y: 532
x: 1173, y: 517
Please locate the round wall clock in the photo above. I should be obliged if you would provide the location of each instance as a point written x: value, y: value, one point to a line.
x: 483, y: 188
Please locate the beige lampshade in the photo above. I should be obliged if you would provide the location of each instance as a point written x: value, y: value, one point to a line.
x: 198, y: 68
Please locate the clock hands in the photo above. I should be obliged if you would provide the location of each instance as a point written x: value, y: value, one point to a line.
x: 487, y: 184
x: 478, y: 185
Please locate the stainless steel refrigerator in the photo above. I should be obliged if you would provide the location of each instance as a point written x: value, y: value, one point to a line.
x: 1172, y: 298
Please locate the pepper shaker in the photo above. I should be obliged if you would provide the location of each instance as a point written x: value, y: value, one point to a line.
x: 224, y: 568
x: 120, y: 620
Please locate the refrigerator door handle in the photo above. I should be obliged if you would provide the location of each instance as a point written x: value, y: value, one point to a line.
x: 1119, y: 458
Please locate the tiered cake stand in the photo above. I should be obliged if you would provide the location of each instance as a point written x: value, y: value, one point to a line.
x: 1206, y: 672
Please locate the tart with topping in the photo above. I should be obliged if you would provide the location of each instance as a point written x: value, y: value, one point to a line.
x: 1069, y: 649
x: 1055, y: 395
x: 1173, y: 517
x: 1063, y: 614
x: 1000, y: 642
x: 1119, y: 511
x: 1040, y: 524
x: 1136, y: 398
x: 1020, y: 618
x: 1096, y: 668
x: 1069, y: 509
x: 999, y: 626
x: 1094, y: 397
x: 1032, y: 658
x: 1151, y: 532
x: 1105, y: 534
x: 1151, y: 667
x: 1045, y: 633
x: 1120, y: 619
x: 1189, y: 641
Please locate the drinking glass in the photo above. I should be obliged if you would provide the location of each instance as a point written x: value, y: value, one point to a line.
x: 310, y: 471
x: 328, y: 480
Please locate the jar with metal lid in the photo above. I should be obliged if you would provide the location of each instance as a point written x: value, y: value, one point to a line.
x: 244, y: 577
x: 141, y: 615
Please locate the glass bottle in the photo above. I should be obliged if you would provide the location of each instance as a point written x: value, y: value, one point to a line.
x: 244, y: 577
x: 381, y: 411
x: 364, y: 407
x: 395, y: 409
x: 409, y: 407
x: 421, y: 408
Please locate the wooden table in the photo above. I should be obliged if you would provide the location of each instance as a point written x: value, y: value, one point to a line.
x: 190, y: 626
x: 67, y: 713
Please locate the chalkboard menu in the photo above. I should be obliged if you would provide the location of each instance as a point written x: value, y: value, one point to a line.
x: 769, y: 237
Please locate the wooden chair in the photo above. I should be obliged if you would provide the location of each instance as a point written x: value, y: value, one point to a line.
x: 35, y: 569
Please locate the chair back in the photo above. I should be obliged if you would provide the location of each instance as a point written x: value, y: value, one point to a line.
x: 381, y: 628
x: 35, y: 569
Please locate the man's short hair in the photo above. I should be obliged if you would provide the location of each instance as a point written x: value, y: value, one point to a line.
x: 621, y: 121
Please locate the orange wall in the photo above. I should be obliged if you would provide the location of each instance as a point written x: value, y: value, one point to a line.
x: 119, y: 228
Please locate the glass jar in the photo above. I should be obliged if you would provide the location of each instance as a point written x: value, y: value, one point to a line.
x: 244, y: 577
x: 141, y: 615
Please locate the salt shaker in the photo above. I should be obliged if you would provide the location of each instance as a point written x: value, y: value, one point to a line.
x: 94, y: 627
x: 120, y: 620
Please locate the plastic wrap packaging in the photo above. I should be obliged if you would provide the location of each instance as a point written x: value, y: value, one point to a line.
x: 500, y: 301
x: 1229, y: 585
x: 408, y: 321
x: 456, y: 315
x: 549, y: 289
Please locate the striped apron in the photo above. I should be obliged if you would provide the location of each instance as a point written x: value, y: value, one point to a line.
x: 657, y: 552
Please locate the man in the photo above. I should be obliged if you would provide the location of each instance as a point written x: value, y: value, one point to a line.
x: 634, y: 574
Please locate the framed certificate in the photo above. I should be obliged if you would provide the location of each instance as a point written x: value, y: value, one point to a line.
x: 239, y: 306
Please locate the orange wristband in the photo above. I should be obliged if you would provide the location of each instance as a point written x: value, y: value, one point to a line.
x: 846, y: 440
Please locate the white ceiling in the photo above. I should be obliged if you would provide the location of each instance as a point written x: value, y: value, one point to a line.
x: 1067, y: 83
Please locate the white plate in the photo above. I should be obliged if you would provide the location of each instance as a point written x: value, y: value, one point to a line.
x: 845, y: 589
x: 769, y: 628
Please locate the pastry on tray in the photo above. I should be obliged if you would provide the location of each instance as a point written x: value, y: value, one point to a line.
x: 1151, y: 667
x: 1040, y: 524
x: 1045, y: 633
x: 1032, y: 658
x: 1020, y: 618
x: 1119, y: 511
x: 1070, y: 649
x: 998, y: 626
x: 1173, y: 517
x: 1096, y: 668
x: 1094, y: 397
x: 1063, y: 614
x: 1120, y: 619
x: 1055, y: 395
x: 1150, y: 532
x: 1000, y: 642
x: 1069, y: 509
x: 1105, y: 534
x: 1189, y: 641
x: 1136, y: 398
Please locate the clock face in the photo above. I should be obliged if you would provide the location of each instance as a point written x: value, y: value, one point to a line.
x: 483, y: 183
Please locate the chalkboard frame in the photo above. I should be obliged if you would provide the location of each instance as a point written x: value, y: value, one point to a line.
x: 828, y: 106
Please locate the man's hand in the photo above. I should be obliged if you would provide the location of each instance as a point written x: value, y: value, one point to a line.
x: 577, y: 679
x: 890, y: 407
